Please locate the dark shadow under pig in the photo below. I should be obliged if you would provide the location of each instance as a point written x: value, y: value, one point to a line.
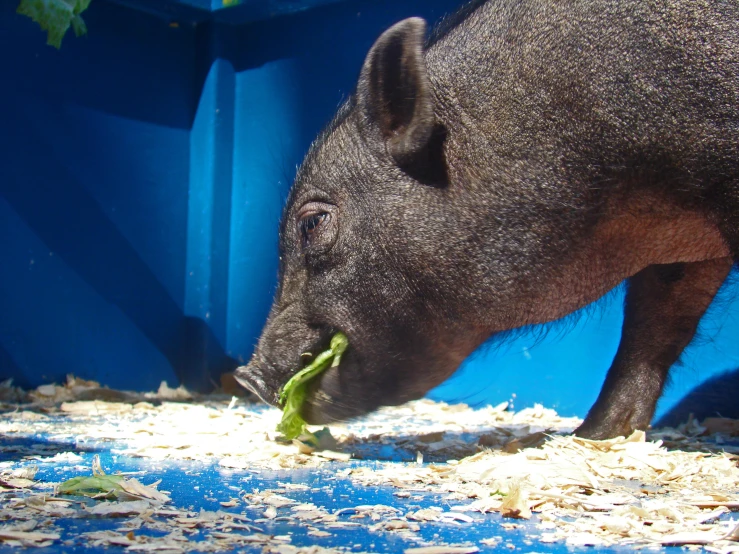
x: 517, y: 166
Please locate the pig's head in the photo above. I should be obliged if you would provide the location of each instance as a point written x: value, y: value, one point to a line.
x: 364, y: 248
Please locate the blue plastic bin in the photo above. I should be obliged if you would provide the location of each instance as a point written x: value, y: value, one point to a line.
x: 143, y: 169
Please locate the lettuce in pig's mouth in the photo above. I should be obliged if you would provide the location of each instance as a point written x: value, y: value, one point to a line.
x: 294, y: 392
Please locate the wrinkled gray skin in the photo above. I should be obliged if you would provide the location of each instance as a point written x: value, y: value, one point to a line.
x: 518, y: 166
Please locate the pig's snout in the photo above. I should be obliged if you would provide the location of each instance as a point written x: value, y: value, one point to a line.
x: 255, y: 377
x: 337, y: 394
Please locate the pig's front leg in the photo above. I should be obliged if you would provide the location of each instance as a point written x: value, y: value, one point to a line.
x: 664, y: 304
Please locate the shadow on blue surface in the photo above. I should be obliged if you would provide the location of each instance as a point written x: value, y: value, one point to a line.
x: 27, y: 449
x: 11, y: 371
x: 716, y: 397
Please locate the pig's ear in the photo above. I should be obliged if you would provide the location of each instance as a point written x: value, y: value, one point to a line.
x: 395, y: 92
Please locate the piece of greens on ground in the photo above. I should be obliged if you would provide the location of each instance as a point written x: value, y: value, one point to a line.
x: 101, y: 485
x: 55, y: 17
x: 96, y: 485
x: 293, y: 393
x: 93, y: 485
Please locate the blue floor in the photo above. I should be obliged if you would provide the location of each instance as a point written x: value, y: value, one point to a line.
x: 198, y: 486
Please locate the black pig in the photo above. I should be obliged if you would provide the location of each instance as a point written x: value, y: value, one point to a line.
x: 517, y: 166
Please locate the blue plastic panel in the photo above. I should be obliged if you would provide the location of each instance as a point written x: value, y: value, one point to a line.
x: 230, y: 12
x: 562, y: 365
x: 94, y: 153
x: 144, y: 167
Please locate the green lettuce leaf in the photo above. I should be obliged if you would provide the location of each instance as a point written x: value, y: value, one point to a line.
x: 55, y: 17
x: 93, y: 485
x: 294, y: 392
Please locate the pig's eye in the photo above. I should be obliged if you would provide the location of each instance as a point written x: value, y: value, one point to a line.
x: 309, y: 224
x: 316, y: 228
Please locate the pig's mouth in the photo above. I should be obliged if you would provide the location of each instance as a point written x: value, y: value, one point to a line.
x: 337, y: 394
x: 266, y: 377
x: 341, y: 393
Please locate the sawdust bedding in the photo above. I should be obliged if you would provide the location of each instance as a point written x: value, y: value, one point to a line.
x: 670, y: 487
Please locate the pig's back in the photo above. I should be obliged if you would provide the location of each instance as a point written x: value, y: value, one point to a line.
x: 604, y: 89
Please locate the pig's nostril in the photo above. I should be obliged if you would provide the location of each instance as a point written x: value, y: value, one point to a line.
x: 305, y: 359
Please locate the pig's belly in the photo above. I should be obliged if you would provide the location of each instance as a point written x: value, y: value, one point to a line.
x: 635, y: 234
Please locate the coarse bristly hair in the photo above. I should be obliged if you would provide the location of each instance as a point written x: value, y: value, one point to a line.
x: 508, y: 171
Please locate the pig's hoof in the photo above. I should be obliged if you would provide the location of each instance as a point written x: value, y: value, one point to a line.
x: 605, y: 430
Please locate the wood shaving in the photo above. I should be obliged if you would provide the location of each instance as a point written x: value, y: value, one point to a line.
x: 442, y: 550
x: 120, y: 509
x: 597, y: 493
x: 674, y: 487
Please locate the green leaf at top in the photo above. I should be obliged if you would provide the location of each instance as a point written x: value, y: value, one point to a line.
x: 294, y: 392
x: 55, y: 17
